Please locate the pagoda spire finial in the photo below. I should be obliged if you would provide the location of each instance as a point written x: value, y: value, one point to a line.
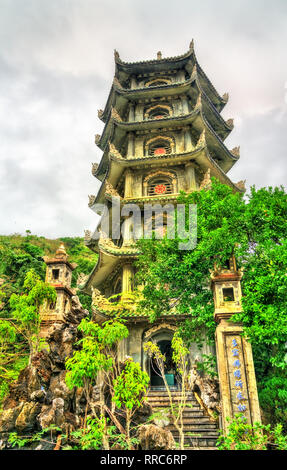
x: 194, y: 70
x: 225, y: 97
x: 230, y: 123
x: 236, y: 151
x: 159, y: 55
x: 61, y: 251
x: 201, y: 141
x: 116, y: 54
x: 198, y: 102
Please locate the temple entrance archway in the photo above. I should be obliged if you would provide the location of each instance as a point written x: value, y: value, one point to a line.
x: 162, y: 336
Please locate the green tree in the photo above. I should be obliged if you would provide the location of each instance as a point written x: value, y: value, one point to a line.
x: 130, y: 388
x: 26, y: 308
x: 180, y: 357
x: 254, y: 230
x: 244, y: 436
x: 97, y: 355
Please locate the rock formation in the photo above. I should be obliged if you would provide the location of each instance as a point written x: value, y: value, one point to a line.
x: 40, y: 397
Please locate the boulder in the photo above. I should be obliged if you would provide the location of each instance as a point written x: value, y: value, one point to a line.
x: 59, y: 389
x: 53, y: 414
x: 152, y: 437
x: 8, y: 418
x: 26, y: 419
x: 38, y: 396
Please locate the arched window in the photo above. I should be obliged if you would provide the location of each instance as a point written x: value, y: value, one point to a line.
x: 118, y: 288
x: 158, y: 112
x: 158, y: 82
x: 159, y: 185
x: 159, y: 147
x: 160, y: 182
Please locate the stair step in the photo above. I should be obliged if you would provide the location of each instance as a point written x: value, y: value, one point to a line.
x: 161, y: 405
x: 200, y: 448
x: 201, y: 432
x: 199, y: 443
x: 202, y: 422
x: 174, y: 400
x: 195, y: 432
x: 190, y: 425
x: 164, y: 393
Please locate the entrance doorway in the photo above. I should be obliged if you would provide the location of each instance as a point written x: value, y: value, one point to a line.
x: 169, y: 366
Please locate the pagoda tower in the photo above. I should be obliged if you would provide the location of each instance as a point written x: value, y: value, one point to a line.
x: 59, y: 275
x: 163, y: 133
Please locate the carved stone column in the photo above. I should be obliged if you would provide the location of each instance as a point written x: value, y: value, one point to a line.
x: 133, y: 83
x: 128, y: 183
x: 190, y: 176
x: 131, y: 112
x: 131, y: 141
x: 184, y: 104
x: 236, y: 372
x: 128, y: 277
x: 187, y: 139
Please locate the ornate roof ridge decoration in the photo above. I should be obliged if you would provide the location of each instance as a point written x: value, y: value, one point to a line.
x: 92, y: 200
x: 236, y: 151
x: 97, y: 139
x: 234, y: 156
x: 225, y: 97
x: 241, y: 185
x: 194, y: 72
x: 100, y: 114
x: 115, y: 115
x: 98, y: 299
x: 113, y: 151
x: 206, y: 182
x: 95, y: 167
x: 154, y: 61
x: 201, y: 141
x: 215, y: 164
x: 198, y: 104
x: 106, y: 244
x: 88, y: 235
x: 230, y: 123
x: 117, y: 83
x: 116, y: 55
x: 110, y: 190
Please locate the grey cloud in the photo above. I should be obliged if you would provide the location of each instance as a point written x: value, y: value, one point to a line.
x: 56, y: 69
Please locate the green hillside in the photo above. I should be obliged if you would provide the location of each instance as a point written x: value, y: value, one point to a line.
x: 18, y: 255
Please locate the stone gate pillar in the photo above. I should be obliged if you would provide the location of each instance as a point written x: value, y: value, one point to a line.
x: 237, y: 380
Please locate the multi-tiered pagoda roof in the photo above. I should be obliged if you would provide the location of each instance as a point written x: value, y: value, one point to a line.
x: 145, y: 85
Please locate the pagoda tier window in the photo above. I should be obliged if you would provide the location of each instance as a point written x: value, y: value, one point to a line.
x: 159, y: 147
x: 159, y: 186
x: 55, y: 274
x: 158, y: 112
x: 118, y: 288
x: 158, y: 82
x: 228, y: 294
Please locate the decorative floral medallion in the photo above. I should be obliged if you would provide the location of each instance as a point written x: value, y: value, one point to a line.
x: 160, y: 189
x: 160, y: 151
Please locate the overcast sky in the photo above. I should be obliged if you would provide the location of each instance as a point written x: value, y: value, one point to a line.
x: 56, y: 69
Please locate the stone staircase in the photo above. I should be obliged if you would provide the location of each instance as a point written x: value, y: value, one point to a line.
x: 201, y: 432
